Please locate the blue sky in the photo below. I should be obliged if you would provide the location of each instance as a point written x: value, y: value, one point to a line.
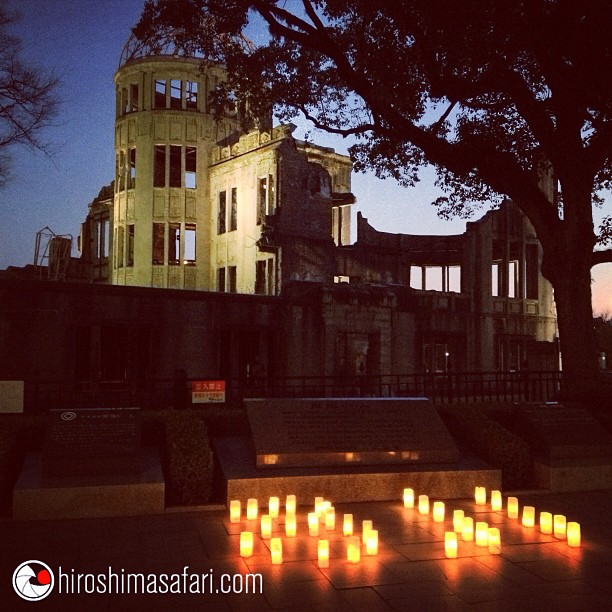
x: 81, y: 41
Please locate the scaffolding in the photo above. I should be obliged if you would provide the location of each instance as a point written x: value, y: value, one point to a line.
x: 52, y: 253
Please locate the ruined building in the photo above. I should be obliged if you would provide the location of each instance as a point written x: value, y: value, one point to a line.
x: 253, y: 228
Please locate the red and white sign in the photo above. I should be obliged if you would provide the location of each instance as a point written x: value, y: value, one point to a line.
x: 204, y: 391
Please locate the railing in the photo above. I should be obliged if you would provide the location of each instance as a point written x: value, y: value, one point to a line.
x: 165, y: 393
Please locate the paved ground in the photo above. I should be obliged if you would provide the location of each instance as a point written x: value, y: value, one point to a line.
x: 533, y: 572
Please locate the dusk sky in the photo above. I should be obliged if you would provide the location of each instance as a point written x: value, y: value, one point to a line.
x: 81, y: 41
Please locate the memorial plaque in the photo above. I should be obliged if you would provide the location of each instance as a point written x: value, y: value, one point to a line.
x: 79, y: 441
x: 11, y: 396
x: 557, y: 431
x: 311, y: 432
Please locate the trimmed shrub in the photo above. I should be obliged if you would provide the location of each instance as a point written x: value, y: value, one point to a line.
x: 492, y: 443
x: 188, y: 459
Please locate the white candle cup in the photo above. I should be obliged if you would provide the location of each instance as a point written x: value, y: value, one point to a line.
x: 546, y: 522
x: 513, y: 508
x: 252, y: 509
x: 313, y: 524
x: 480, y: 496
x: 234, y: 511
x: 323, y: 553
x: 450, y: 544
x: 496, y: 501
x: 266, y: 526
x: 366, y: 527
x: 438, y: 512
x: 528, y: 516
x: 482, y: 534
x: 423, y: 504
x: 290, y: 525
x: 559, y: 525
x: 290, y: 504
x: 573, y: 534
x: 273, y: 506
x: 353, y: 549
x: 347, y: 525
x: 408, y: 498
x: 246, y: 543
x: 467, y: 529
x: 494, y: 541
x: 276, y: 551
x: 372, y: 542
x: 458, y: 520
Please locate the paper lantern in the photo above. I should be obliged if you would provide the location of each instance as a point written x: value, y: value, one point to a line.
x: 467, y: 529
x: 559, y: 526
x: 323, y: 553
x: 353, y: 549
x: 290, y: 504
x: 234, y: 511
x: 246, y: 543
x: 528, y: 516
x: 266, y: 526
x: 290, y: 525
x: 365, y: 529
x: 252, y: 509
x: 546, y: 522
x: 276, y: 550
x: 313, y: 523
x: 458, y: 520
x: 438, y: 512
x: 494, y: 541
x: 480, y: 495
x: 482, y: 534
x: 273, y: 505
x: 372, y: 542
x: 347, y: 526
x: 573, y: 534
x: 408, y: 498
x: 496, y: 501
x: 513, y: 508
x: 330, y: 519
x: 450, y: 544
x: 423, y: 504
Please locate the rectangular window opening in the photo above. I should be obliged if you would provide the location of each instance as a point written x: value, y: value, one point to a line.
x: 416, y: 277
x: 190, y: 167
x: 160, y: 93
x: 233, y: 225
x: 134, y: 97
x: 190, y: 244
x: 221, y: 279
x: 221, y: 222
x: 513, y: 279
x: 271, y: 195
x: 262, y: 198
x: 121, y: 246
x: 121, y: 170
x: 260, y: 277
x: 433, y: 278
x: 454, y: 279
x: 191, y: 95
x: 158, y: 243
x: 130, y: 246
x: 159, y: 171
x: 175, y: 93
x: 132, y: 162
x: 105, y: 237
x: 496, y: 278
x: 175, y: 165
x: 231, y: 279
x: 174, y: 243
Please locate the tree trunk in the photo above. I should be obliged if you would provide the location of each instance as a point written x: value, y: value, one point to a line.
x: 571, y: 280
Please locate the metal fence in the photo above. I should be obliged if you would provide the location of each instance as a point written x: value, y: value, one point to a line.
x: 165, y: 393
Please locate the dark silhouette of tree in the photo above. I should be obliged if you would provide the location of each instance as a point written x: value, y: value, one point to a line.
x: 499, y: 95
x: 28, y: 102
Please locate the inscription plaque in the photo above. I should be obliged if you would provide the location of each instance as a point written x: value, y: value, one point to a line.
x: 564, y: 431
x: 88, y: 440
x: 311, y: 432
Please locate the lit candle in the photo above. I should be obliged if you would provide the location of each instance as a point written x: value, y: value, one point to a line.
x: 423, y: 504
x: 234, y: 511
x: 252, y: 509
x: 365, y: 529
x: 559, y: 526
x: 496, y: 501
x: 276, y: 549
x: 353, y: 549
x: 573, y: 534
x: 330, y: 519
x: 458, y: 520
x: 546, y: 524
x: 450, y: 544
x: 513, y: 508
x: 467, y: 529
x: 290, y: 525
x: 323, y: 553
x: 494, y: 541
x: 480, y: 495
x: 408, y: 498
x: 438, y: 512
x: 313, y: 523
x: 273, y: 505
x: 290, y: 504
x: 246, y: 543
x: 266, y: 526
x: 323, y: 508
x: 482, y: 534
x: 347, y: 527
x: 528, y: 516
x: 372, y: 542
x: 317, y: 506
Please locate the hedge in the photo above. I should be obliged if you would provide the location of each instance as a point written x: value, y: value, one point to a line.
x: 492, y: 443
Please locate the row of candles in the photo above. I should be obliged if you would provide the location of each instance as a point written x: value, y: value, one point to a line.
x: 490, y: 536
x: 323, y: 513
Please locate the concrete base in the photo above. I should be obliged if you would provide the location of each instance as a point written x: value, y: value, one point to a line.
x: 574, y: 475
x: 348, y: 484
x: 65, y: 497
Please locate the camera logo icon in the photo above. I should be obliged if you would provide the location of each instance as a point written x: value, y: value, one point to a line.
x: 33, y: 580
